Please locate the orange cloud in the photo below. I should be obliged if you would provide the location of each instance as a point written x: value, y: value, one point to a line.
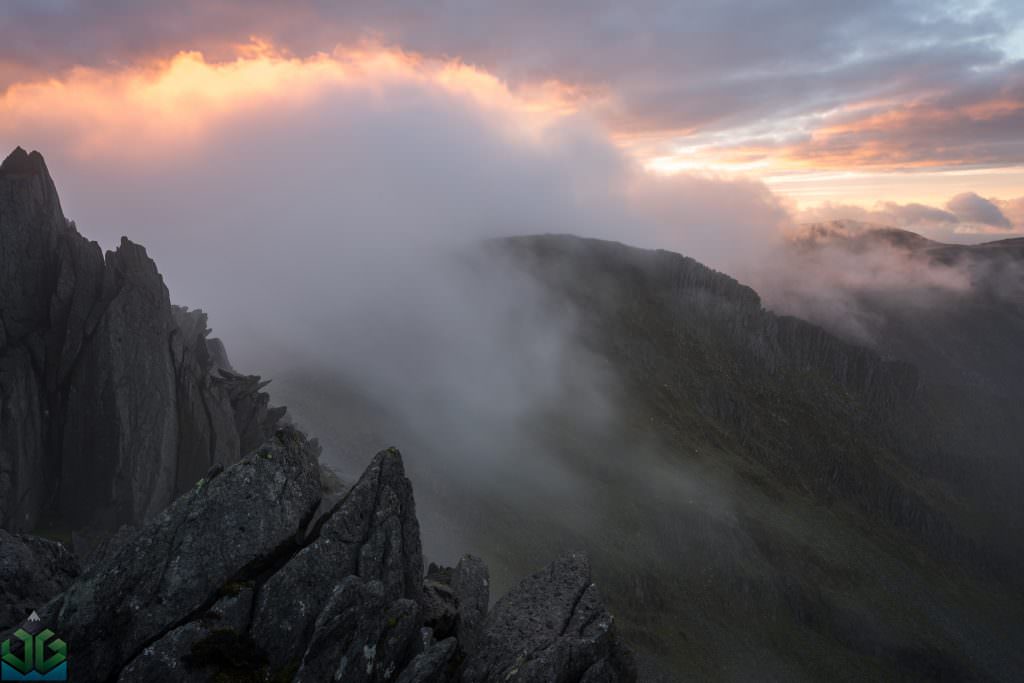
x: 161, y: 108
x: 168, y: 104
x: 885, y: 137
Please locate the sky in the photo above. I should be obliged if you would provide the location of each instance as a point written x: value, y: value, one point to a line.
x: 909, y: 113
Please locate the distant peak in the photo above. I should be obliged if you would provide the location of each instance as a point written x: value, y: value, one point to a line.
x: 24, y: 174
x: 15, y: 160
x: 20, y: 162
x: 859, y: 233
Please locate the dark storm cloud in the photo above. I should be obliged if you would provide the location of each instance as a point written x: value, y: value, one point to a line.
x: 658, y: 65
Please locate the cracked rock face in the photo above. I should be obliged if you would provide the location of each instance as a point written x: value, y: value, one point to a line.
x: 471, y: 587
x: 171, y: 657
x: 455, y: 601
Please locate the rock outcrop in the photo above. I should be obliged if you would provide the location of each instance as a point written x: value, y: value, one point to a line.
x: 232, y: 582
x: 32, y: 570
x: 112, y: 401
x: 551, y: 628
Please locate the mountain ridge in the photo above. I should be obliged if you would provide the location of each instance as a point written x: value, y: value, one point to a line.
x: 848, y: 228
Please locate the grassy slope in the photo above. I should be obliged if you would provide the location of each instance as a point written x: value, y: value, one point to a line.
x: 750, y: 516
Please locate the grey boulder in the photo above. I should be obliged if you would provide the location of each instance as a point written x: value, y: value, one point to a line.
x: 552, y: 628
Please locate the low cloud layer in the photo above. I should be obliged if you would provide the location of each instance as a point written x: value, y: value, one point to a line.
x: 873, y: 287
x: 967, y: 217
x: 838, y: 285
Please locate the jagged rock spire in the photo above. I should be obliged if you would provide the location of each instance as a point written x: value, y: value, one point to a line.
x: 88, y: 345
x: 30, y: 167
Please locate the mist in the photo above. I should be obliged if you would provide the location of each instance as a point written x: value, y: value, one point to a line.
x: 830, y: 284
x: 335, y: 242
x: 854, y: 281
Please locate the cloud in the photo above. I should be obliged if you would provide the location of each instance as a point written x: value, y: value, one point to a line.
x: 968, y: 217
x: 919, y: 124
x: 917, y: 214
x: 893, y: 214
x: 426, y: 129
x: 317, y: 224
x: 970, y: 208
x: 833, y: 285
x: 1013, y: 209
x: 867, y: 286
x: 328, y: 228
x: 871, y: 83
x: 973, y: 126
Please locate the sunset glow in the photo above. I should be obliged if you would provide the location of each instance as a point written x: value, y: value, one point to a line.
x: 161, y: 107
x: 886, y: 122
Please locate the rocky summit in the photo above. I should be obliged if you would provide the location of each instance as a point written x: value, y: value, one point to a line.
x: 213, y: 545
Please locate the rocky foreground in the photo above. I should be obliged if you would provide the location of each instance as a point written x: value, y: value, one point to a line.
x: 260, y: 574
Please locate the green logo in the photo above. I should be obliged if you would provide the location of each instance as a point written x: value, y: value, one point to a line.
x: 44, y: 657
